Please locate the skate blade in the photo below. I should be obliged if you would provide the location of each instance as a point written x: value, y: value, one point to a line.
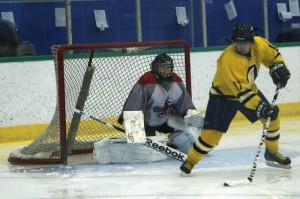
x: 276, y: 165
x: 182, y: 174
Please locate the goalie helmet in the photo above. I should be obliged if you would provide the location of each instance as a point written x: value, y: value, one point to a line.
x: 162, y: 66
x: 243, y: 33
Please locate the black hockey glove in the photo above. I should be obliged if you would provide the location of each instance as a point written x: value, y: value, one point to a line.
x: 265, y: 110
x: 279, y: 73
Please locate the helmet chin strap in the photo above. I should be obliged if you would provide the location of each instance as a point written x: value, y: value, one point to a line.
x: 165, y: 75
x: 163, y: 78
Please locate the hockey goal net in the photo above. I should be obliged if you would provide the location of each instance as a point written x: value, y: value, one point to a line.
x: 95, y: 79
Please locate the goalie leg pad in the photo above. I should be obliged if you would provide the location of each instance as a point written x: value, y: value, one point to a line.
x: 194, y: 119
x: 176, y: 123
x: 118, y: 151
x: 179, y: 124
x: 184, y: 141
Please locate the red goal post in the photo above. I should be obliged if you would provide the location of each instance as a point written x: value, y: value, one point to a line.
x: 96, y: 79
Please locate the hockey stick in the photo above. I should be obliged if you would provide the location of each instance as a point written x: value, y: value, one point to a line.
x: 235, y: 183
x: 173, y: 153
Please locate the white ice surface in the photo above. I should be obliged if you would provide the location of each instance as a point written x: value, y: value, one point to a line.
x: 231, y: 160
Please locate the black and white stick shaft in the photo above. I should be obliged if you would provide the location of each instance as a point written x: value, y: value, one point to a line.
x: 234, y: 183
x: 101, y: 121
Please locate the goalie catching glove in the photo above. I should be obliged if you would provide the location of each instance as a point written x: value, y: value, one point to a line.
x: 279, y: 73
x: 194, y: 118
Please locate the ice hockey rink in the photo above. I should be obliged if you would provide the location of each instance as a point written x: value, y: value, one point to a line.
x: 231, y: 160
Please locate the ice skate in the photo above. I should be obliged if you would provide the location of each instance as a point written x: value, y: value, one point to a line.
x: 186, y: 168
x: 277, y: 160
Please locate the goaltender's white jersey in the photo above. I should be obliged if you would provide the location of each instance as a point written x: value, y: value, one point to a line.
x: 155, y: 100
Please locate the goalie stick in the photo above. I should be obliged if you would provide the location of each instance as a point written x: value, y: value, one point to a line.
x: 173, y: 153
x: 235, y: 183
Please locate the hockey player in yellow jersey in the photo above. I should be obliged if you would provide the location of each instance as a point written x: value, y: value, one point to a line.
x: 233, y: 88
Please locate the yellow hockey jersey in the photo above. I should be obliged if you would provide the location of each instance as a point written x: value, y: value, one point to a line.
x: 236, y: 73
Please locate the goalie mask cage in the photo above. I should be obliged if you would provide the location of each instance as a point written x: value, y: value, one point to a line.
x: 96, y: 79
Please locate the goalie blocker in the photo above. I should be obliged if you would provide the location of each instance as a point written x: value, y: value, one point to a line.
x: 118, y: 151
x: 134, y: 126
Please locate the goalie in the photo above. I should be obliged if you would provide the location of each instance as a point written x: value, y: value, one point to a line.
x: 167, y: 107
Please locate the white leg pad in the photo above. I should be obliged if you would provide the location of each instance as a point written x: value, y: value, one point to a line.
x: 176, y: 123
x: 184, y: 141
x: 189, y: 134
x: 179, y: 124
x: 118, y: 151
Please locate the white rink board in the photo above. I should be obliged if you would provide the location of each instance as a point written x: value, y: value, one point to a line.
x: 28, y: 90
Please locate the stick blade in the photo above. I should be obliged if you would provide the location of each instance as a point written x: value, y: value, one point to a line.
x: 236, y: 183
